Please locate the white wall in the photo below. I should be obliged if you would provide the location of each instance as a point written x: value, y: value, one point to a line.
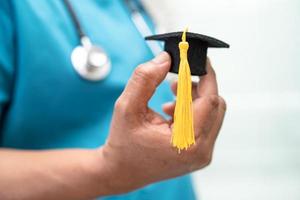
x: 257, y: 155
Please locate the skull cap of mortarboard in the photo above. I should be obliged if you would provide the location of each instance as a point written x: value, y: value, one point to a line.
x: 197, y: 51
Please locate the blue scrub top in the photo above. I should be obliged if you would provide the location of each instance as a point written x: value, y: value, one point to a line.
x: 43, y: 102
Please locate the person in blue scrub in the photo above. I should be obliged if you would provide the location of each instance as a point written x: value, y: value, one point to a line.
x: 64, y: 137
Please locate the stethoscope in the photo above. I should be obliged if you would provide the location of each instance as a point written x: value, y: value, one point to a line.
x: 90, y: 61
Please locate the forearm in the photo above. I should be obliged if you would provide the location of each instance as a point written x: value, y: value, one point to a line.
x: 55, y: 174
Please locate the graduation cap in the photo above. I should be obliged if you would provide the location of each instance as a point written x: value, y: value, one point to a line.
x: 197, y: 50
x: 188, y: 53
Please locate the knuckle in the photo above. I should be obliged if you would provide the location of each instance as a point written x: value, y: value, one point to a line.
x: 118, y: 104
x: 200, y: 163
x: 142, y: 73
x: 207, y: 159
x: 197, y: 159
x: 213, y: 100
x: 216, y: 101
x: 204, y: 161
x: 222, y: 103
x: 203, y: 157
x: 121, y: 105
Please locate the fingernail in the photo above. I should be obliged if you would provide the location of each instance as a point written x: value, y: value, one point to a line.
x: 161, y: 58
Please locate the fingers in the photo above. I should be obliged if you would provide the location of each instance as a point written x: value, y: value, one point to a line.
x: 219, y: 120
x: 208, y: 83
x: 209, y: 113
x: 144, y: 81
x: 169, y: 108
x: 174, y: 87
x: 205, y: 112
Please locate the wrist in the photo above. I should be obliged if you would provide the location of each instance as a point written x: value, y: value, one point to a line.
x: 106, y: 172
x: 99, y: 173
x: 114, y: 174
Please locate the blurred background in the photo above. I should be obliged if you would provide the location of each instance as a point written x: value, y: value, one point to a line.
x: 257, y: 155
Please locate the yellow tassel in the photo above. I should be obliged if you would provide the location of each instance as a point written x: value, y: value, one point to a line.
x: 183, y: 131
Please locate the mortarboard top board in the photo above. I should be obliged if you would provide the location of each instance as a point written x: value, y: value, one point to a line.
x: 197, y: 51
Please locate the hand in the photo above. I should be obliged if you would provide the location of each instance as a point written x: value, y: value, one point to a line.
x: 138, y: 150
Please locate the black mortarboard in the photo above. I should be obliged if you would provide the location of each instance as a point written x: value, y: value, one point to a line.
x: 197, y: 52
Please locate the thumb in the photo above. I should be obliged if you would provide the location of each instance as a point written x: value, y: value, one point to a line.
x: 145, y: 80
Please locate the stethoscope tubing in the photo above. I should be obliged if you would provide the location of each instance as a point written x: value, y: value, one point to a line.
x: 87, y: 48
